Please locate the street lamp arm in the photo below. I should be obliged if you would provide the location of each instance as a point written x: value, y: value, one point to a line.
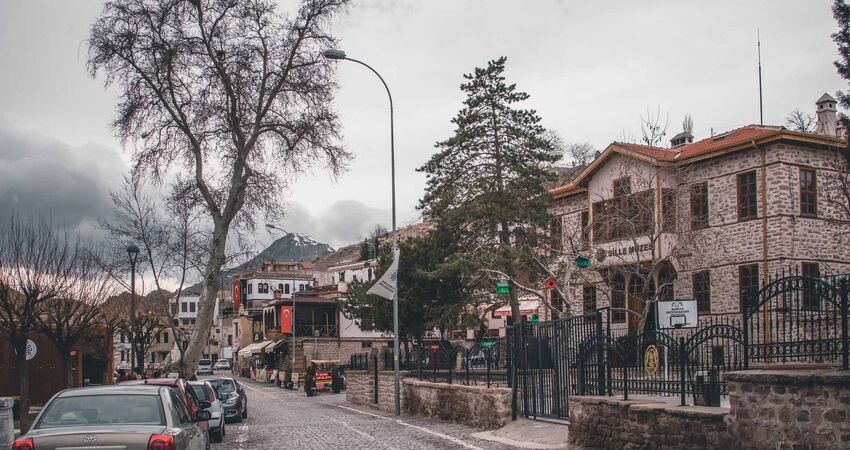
x: 380, y: 78
x: 392, y: 142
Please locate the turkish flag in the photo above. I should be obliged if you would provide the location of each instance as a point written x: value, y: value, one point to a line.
x: 237, y: 295
x: 286, y: 319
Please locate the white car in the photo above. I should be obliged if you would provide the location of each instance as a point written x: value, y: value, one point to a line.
x: 204, y: 391
x: 204, y: 367
x: 222, y: 364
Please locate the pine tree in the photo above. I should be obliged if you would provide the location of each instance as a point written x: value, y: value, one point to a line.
x: 841, y: 12
x: 489, y: 178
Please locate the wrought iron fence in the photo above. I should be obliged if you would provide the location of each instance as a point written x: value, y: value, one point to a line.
x: 797, y: 318
x: 791, y: 318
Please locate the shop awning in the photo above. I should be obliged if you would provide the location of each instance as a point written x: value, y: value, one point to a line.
x: 250, y: 348
x: 262, y: 345
x: 525, y: 308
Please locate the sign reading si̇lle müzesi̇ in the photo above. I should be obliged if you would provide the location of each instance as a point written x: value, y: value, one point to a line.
x: 677, y: 314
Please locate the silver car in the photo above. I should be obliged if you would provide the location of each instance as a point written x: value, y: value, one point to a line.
x: 205, y: 391
x: 138, y: 417
x: 204, y: 367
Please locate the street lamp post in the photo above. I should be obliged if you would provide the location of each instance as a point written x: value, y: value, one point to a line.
x: 340, y: 55
x: 133, y: 253
x: 292, y: 317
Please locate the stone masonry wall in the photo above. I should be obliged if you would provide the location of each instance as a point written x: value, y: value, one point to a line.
x: 605, y: 422
x: 360, y: 389
x: 476, y: 406
x: 783, y: 409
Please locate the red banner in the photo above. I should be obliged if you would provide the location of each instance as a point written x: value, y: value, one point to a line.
x: 237, y: 296
x: 286, y: 319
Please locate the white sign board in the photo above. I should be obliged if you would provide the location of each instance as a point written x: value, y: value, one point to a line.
x: 677, y: 314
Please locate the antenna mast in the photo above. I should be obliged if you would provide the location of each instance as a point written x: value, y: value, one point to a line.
x: 761, y: 101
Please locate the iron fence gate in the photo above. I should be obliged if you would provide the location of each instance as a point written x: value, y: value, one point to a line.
x: 791, y: 318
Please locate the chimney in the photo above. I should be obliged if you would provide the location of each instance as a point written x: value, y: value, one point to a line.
x: 681, y: 139
x: 827, y: 119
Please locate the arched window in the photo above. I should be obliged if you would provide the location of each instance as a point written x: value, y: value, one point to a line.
x: 618, y: 299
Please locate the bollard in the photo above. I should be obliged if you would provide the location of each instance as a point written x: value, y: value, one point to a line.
x: 7, y: 424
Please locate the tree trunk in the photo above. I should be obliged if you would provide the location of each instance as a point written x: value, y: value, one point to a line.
x: 23, y: 375
x: 206, y: 304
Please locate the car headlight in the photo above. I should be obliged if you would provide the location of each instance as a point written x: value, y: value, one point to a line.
x: 231, y: 400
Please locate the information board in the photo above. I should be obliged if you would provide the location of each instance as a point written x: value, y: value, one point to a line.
x: 677, y: 314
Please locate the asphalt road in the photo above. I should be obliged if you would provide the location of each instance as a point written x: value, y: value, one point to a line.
x: 279, y: 418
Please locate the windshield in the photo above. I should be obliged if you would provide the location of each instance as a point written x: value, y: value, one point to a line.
x: 127, y: 409
x: 204, y: 362
x: 199, y: 391
x: 223, y: 386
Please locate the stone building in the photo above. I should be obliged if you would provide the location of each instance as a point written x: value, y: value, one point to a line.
x: 702, y: 219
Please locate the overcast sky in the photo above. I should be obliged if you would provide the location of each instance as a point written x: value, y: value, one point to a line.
x: 590, y: 67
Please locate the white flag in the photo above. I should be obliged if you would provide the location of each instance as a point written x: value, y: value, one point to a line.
x: 386, y: 286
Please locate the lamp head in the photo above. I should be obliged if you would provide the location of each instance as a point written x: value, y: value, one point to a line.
x: 133, y: 252
x: 334, y: 54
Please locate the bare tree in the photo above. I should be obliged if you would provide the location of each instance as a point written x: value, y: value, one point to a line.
x: 623, y: 238
x: 171, y: 247
x: 76, y: 315
x: 233, y: 92
x: 651, y: 127
x: 800, y: 121
x: 36, y: 265
x: 581, y: 154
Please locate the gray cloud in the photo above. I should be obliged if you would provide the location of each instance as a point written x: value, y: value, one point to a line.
x: 342, y: 223
x: 40, y: 175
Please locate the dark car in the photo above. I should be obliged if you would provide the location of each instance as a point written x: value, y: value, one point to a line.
x: 126, y: 417
x: 232, y: 397
x: 192, y: 402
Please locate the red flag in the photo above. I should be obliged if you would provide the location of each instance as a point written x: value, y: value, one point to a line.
x: 237, y: 296
x: 286, y: 319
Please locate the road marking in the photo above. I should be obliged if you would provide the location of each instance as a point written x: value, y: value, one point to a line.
x: 401, y: 422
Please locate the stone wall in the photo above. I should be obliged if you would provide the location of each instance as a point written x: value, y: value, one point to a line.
x: 783, y: 409
x: 360, y: 389
x: 605, y: 422
x: 476, y: 406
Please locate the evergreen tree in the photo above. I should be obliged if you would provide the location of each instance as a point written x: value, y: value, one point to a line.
x: 489, y: 179
x: 432, y: 294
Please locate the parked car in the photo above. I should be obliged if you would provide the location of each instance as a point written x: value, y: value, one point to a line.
x: 232, y: 396
x: 204, y: 367
x: 205, y: 391
x: 187, y: 394
x: 222, y: 364
x: 132, y: 417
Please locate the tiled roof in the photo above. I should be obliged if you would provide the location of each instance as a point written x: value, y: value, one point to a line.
x: 703, y: 148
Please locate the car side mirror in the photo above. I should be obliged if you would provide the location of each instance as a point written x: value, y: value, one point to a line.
x: 204, y: 404
x: 203, y: 415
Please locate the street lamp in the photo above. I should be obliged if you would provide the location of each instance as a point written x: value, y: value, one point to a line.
x: 291, y: 317
x: 133, y: 253
x: 336, y: 54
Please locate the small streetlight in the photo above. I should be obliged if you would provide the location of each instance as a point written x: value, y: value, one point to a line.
x: 336, y: 54
x: 133, y: 253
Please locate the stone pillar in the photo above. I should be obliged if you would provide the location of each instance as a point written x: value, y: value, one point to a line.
x: 7, y: 424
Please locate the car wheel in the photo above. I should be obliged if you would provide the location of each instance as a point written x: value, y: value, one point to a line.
x: 245, y: 413
x: 216, y: 436
x: 223, y: 429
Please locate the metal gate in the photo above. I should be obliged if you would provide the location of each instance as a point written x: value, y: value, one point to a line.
x: 545, y: 363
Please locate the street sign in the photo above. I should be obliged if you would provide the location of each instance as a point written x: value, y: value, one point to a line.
x: 677, y: 314
x: 535, y: 318
x: 502, y: 287
x: 551, y: 283
x: 582, y: 262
